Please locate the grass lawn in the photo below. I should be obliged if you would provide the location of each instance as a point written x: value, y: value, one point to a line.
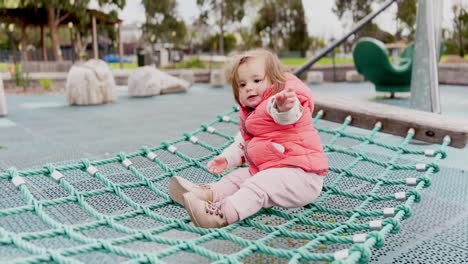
x: 126, y: 65
x: 3, y: 67
x: 291, y: 62
x: 296, y: 62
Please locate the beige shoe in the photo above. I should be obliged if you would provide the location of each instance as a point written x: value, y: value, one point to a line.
x: 204, y: 214
x: 179, y: 186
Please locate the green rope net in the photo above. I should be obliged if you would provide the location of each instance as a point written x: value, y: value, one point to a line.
x: 118, y: 210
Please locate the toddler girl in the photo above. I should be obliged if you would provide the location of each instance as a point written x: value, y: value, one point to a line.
x: 285, y: 158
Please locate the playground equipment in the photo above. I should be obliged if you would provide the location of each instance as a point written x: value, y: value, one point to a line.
x: 417, y: 70
x: 117, y: 209
x: 371, y: 60
x: 424, y: 80
x: 428, y: 49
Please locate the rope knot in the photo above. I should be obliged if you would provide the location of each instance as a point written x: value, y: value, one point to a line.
x: 121, y: 156
x: 181, y: 223
x: 363, y: 251
x: 165, y: 145
x: 105, y: 245
x: 85, y: 163
x: 442, y: 153
x: 12, y: 172
x: 395, y: 225
x: 434, y: 166
x: 145, y: 150
x: 54, y: 256
x: 406, y: 209
x: 49, y: 168
x: 187, y: 245
x: 416, y: 194
x: 150, y: 258
x: 187, y: 136
x: 378, y: 237
x: 426, y: 180
x: 146, y: 235
x: 109, y: 220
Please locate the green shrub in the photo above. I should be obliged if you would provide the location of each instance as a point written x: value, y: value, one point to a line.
x: 46, y: 83
x: 21, y: 78
x: 195, y: 63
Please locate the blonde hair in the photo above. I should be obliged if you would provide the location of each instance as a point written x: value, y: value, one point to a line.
x: 274, y: 70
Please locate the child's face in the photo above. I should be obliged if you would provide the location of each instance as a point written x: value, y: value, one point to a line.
x: 252, y: 82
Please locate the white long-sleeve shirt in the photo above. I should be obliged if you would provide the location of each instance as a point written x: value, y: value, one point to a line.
x: 234, y: 153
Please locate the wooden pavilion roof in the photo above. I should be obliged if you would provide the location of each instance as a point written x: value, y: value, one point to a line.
x: 38, y: 16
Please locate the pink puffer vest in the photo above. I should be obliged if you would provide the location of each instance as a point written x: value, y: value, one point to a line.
x: 301, y: 142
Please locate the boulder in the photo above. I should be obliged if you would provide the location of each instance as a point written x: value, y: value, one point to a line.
x: 217, y: 78
x: 354, y: 76
x: 314, y: 77
x: 90, y: 83
x: 149, y: 81
x: 188, y: 75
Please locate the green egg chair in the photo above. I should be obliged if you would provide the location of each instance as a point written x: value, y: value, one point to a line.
x: 371, y: 59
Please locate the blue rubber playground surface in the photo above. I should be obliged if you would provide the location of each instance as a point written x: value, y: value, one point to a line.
x: 44, y: 129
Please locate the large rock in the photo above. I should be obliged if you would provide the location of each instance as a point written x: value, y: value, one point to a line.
x: 217, y: 78
x: 90, y: 83
x: 149, y: 81
x: 3, y: 107
x: 314, y: 77
x: 354, y: 76
x: 187, y: 75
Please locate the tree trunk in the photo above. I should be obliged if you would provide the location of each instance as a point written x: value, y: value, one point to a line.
x: 221, y: 35
x: 24, y: 51
x: 276, y: 30
x: 43, y: 47
x: 51, y: 19
x: 460, y: 39
x: 81, y: 44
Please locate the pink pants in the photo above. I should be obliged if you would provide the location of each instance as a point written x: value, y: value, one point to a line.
x: 241, y: 195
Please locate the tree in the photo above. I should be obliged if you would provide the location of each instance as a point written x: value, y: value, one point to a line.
x: 211, y: 43
x: 283, y: 24
x: 358, y: 9
x: 316, y: 44
x: 249, y: 39
x: 161, y: 24
x: 225, y: 13
x: 297, y: 37
x: 406, y: 18
x: 59, y: 10
x: 267, y: 24
x: 355, y: 10
x: 460, y: 22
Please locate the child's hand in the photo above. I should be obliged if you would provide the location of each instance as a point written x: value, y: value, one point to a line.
x: 285, y: 100
x: 217, y: 165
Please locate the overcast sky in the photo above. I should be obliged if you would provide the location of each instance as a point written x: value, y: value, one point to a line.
x: 320, y: 18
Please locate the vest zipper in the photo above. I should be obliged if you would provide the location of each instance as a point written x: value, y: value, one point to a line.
x: 246, y: 155
x: 244, y: 127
